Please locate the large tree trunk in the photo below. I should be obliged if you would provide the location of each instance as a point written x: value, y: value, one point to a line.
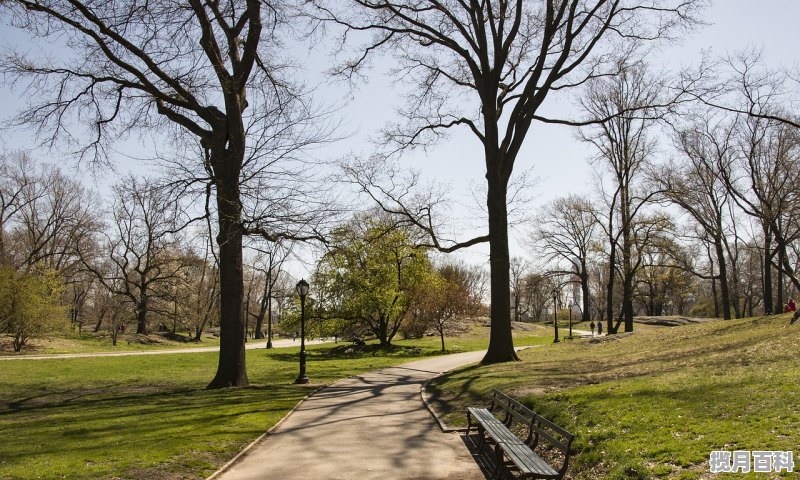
x: 627, y: 267
x: 383, y: 332
x: 779, y: 283
x: 723, y: 279
x: 767, y: 272
x: 262, y: 307
x: 612, y: 259
x: 100, y: 319
x: 627, y: 302
x: 141, y: 315
x: 586, y: 313
x: 501, y: 344
x: 232, y: 370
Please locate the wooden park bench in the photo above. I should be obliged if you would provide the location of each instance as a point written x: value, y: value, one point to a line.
x: 518, y: 434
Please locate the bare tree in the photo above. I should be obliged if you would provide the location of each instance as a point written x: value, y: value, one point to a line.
x: 57, y: 217
x: 661, y: 283
x: 761, y: 181
x: 759, y: 93
x: 44, y: 217
x: 565, y: 234
x: 142, y: 245
x: 489, y: 67
x: 537, y: 293
x: 696, y: 185
x: 624, y: 146
x: 266, y: 269
x: 210, y: 73
x: 518, y: 271
x: 17, y: 179
x: 204, y: 281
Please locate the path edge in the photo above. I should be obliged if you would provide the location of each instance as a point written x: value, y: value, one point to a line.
x: 443, y: 426
x: 260, y: 438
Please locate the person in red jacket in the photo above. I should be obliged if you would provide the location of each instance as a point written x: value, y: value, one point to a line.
x: 790, y: 306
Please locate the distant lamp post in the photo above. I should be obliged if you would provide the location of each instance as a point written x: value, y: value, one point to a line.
x: 555, y: 314
x: 269, y: 311
x: 302, y: 290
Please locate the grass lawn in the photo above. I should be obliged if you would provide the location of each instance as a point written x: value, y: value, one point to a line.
x: 150, y: 417
x: 91, y: 342
x: 654, y: 404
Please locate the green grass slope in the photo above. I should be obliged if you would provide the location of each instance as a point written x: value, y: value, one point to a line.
x: 100, y: 342
x: 655, y: 403
x: 150, y: 417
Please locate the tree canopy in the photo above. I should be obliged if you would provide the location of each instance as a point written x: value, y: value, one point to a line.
x: 369, y: 275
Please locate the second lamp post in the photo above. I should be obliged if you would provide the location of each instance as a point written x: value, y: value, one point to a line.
x: 555, y: 314
x: 302, y: 290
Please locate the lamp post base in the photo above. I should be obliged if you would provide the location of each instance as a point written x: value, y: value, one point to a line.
x: 302, y: 380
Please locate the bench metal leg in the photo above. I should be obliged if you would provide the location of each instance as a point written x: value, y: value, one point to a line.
x: 498, y: 458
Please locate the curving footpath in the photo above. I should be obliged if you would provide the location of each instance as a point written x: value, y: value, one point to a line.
x: 370, y: 426
x: 251, y: 345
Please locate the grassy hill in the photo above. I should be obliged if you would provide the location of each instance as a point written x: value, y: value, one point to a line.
x: 97, y: 342
x: 655, y: 403
x: 150, y: 416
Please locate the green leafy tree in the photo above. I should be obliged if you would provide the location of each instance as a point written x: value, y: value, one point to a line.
x: 369, y: 276
x: 447, y: 296
x: 29, y: 304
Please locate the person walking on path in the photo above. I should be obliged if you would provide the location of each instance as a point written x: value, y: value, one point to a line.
x: 599, y: 328
x: 591, y: 325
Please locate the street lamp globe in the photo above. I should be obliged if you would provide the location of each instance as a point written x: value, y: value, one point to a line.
x: 302, y: 288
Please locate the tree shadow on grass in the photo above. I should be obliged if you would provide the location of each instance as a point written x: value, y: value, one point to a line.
x: 94, y: 433
x: 446, y: 402
x: 350, y: 352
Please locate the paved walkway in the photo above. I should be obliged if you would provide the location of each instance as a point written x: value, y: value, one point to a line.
x: 372, y: 426
x: 251, y: 345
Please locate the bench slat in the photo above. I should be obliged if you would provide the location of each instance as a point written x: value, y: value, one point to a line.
x: 517, y: 450
x: 529, y: 462
x: 552, y: 426
x: 551, y: 440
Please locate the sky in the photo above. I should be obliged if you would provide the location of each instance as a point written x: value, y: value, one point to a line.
x: 553, y: 154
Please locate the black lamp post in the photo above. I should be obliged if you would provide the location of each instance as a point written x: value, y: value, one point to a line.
x: 302, y: 290
x: 269, y: 312
x: 555, y: 314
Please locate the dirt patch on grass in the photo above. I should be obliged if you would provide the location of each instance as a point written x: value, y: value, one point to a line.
x: 672, y: 321
x: 184, y: 467
x: 372, y: 349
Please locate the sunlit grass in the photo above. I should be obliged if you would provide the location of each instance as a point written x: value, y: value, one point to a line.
x: 91, y: 342
x: 150, y: 416
x: 655, y: 404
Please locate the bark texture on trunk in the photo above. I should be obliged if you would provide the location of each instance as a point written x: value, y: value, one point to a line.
x: 501, y: 344
x: 141, y: 316
x: 231, y: 370
x: 724, y: 286
x: 612, y: 259
x: 586, y: 313
x: 767, y: 272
